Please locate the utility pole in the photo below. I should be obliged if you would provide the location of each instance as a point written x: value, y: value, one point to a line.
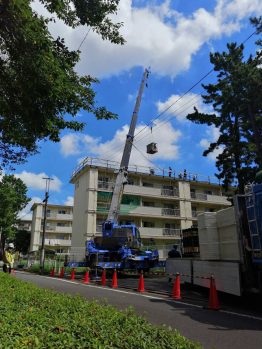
x: 42, y: 256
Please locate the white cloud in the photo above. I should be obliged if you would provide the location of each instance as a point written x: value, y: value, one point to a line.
x: 26, y: 213
x: 69, y: 144
x: 212, y: 136
x: 69, y: 201
x: 112, y: 150
x: 36, y: 181
x: 182, y: 106
x: 157, y: 36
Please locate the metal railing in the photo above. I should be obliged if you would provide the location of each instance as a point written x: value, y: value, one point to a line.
x: 196, y: 213
x: 198, y: 196
x: 108, y: 164
x: 172, y: 232
x: 169, y: 192
x: 170, y: 212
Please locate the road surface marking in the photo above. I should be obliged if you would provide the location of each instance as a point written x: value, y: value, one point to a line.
x: 150, y: 297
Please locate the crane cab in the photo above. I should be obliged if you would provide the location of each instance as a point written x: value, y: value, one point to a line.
x: 151, y: 148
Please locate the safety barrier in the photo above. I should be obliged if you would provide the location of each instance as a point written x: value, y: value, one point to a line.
x: 213, y: 302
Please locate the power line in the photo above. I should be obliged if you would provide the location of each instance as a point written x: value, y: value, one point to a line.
x: 195, y: 98
x: 170, y: 106
x: 84, y: 39
x: 190, y: 89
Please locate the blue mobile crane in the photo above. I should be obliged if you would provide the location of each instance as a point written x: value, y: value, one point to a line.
x: 120, y: 246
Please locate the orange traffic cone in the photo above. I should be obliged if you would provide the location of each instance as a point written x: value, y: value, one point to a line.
x: 72, y: 274
x: 62, y: 273
x: 114, y: 280
x: 176, y: 287
x: 213, y: 302
x: 52, y: 272
x: 141, y: 284
x: 103, y: 278
x: 86, y: 278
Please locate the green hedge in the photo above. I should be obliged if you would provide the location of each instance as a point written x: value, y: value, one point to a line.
x: 31, y: 317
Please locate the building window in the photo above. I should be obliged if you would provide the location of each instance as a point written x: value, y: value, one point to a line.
x: 48, y: 213
x: 103, y: 182
x: 61, y: 211
x: 61, y: 224
x: 208, y: 192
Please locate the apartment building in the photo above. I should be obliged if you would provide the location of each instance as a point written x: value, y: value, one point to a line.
x: 157, y: 202
x: 24, y: 224
x: 58, y: 227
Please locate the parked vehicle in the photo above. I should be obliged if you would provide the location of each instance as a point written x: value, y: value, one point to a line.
x: 230, y: 247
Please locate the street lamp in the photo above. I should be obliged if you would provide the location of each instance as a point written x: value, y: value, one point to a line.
x: 42, y: 256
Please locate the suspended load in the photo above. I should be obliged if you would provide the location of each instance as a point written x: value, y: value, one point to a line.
x: 151, y: 148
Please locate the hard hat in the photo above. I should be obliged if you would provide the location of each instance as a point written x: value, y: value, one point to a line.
x: 11, y: 245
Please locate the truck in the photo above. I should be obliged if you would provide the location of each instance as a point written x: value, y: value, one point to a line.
x: 226, y: 244
x: 120, y: 246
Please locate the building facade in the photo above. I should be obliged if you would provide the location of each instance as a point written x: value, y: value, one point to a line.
x: 160, y: 204
x: 58, y: 227
x: 24, y: 224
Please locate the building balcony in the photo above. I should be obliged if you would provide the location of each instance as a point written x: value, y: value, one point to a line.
x: 57, y: 242
x: 153, y: 232
x: 141, y: 210
x: 59, y: 216
x: 67, y: 230
x: 214, y: 199
x: 160, y: 233
x: 57, y: 229
x: 141, y: 190
x: 196, y: 213
x: 217, y: 199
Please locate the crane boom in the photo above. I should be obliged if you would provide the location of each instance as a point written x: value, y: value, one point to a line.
x: 121, y: 178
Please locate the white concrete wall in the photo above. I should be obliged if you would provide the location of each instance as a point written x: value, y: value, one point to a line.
x: 85, y: 202
x: 185, y: 204
x: 52, y: 229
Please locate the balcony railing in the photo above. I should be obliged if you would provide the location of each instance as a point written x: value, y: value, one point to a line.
x: 106, y: 185
x: 169, y: 192
x: 57, y: 242
x: 59, y: 216
x: 170, y: 212
x: 141, y: 189
x: 199, y: 196
x: 172, y: 232
x: 196, y: 213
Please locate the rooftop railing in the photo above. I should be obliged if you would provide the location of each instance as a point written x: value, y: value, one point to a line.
x: 154, y: 171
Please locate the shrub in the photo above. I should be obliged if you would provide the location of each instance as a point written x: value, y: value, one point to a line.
x: 31, y: 317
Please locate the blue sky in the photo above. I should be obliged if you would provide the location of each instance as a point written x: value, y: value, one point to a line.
x: 174, y: 38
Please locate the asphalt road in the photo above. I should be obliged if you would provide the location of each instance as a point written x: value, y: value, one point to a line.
x: 213, y: 329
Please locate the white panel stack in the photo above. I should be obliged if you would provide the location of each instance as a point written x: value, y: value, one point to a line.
x: 208, y: 236
x: 228, y: 236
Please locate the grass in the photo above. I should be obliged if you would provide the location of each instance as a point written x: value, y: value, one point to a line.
x: 31, y: 317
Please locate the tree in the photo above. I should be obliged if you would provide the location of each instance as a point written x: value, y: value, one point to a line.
x: 12, y: 200
x: 22, y: 241
x: 236, y: 98
x: 38, y: 83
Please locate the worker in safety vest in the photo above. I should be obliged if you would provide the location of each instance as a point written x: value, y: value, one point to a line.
x: 8, y: 258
